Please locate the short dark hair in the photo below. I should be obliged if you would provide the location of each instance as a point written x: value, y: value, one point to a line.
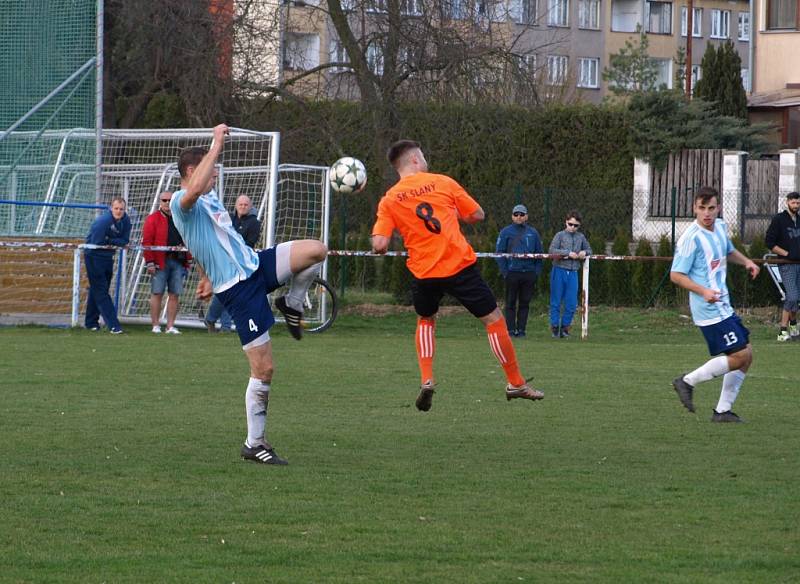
x: 190, y: 157
x: 793, y: 195
x: 396, y: 150
x: 705, y: 194
x: 574, y: 214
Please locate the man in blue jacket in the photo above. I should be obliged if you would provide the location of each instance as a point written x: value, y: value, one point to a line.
x: 112, y: 227
x: 519, y: 274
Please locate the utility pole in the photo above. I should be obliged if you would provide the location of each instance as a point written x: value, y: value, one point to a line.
x: 689, y: 26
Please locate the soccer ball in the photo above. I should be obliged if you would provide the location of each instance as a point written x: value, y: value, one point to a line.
x: 348, y: 175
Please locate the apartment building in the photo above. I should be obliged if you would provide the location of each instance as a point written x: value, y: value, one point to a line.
x: 567, y: 42
x: 776, y: 80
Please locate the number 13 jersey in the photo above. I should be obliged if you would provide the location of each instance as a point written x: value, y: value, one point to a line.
x: 424, y: 208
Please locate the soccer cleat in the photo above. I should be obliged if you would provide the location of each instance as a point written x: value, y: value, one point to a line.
x: 523, y: 391
x: 684, y: 391
x: 784, y: 336
x: 116, y: 331
x: 210, y: 326
x: 157, y: 329
x: 794, y: 331
x: 173, y: 331
x: 262, y: 455
x: 425, y: 397
x: 292, y: 318
x: 728, y: 416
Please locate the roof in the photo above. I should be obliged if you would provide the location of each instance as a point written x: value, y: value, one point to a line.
x: 777, y: 99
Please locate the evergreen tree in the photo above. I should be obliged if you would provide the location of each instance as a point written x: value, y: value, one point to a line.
x: 632, y: 70
x: 721, y: 82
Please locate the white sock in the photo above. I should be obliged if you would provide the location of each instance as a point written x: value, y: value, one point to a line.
x: 299, y: 286
x: 731, y: 384
x: 715, y: 367
x: 256, y: 401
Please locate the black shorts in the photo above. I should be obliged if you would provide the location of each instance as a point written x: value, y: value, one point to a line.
x: 466, y: 286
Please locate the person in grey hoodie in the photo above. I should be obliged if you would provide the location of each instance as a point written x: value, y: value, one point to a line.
x: 572, y: 245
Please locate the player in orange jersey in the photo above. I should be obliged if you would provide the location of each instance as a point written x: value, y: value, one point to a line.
x: 425, y: 208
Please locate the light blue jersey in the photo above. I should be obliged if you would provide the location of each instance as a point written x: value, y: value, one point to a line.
x: 703, y: 256
x: 207, y: 230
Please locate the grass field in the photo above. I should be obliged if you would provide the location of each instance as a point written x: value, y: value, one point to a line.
x: 120, y: 459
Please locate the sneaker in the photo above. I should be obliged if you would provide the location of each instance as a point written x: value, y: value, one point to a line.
x: 157, y: 329
x: 425, y: 397
x: 173, y: 331
x: 565, y: 333
x: 93, y: 328
x: 292, y: 318
x: 210, y: 326
x: 684, y: 391
x: 116, y: 331
x: 555, y: 332
x: 784, y: 336
x: 262, y: 455
x: 524, y: 391
x: 521, y: 334
x: 794, y: 331
x: 728, y: 416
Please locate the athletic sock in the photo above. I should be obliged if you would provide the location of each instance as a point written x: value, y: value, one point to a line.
x: 425, y: 339
x: 256, y: 401
x: 712, y: 368
x: 731, y: 384
x: 301, y: 281
x: 503, y: 349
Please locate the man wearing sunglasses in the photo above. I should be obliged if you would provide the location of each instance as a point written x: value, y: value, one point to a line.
x: 167, y: 269
x: 520, y: 275
x: 572, y: 245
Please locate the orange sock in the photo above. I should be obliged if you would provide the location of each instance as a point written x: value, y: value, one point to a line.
x: 503, y: 349
x: 426, y: 347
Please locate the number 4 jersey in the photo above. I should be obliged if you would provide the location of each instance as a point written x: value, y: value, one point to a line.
x: 424, y: 208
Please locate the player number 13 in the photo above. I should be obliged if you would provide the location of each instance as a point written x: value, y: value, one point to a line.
x: 730, y: 339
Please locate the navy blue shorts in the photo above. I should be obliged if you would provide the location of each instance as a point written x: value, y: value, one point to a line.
x: 467, y: 286
x: 727, y: 336
x: 248, y: 304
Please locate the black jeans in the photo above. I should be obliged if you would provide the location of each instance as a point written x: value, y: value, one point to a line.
x: 520, y: 288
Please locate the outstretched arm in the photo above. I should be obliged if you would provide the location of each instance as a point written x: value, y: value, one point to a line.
x: 738, y: 257
x: 205, y: 170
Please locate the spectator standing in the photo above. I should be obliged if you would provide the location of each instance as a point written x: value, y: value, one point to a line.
x: 519, y: 274
x: 246, y: 224
x: 167, y: 269
x: 574, y: 248
x: 783, y: 239
x: 112, y: 227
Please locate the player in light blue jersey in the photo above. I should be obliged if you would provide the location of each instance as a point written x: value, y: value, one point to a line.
x: 700, y: 266
x: 241, y: 278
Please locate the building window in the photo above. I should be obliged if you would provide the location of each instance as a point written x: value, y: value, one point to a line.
x: 338, y: 54
x: 376, y: 6
x: 664, y: 69
x: 782, y: 14
x: 522, y: 11
x: 720, y: 24
x: 746, y: 79
x: 744, y: 26
x: 697, y: 75
x: 493, y: 10
x: 697, y: 22
x: 375, y: 59
x: 587, y: 72
x: 455, y: 9
x: 557, y: 69
x: 558, y: 12
x: 659, y: 17
x: 301, y: 51
x: 589, y: 14
x: 348, y: 5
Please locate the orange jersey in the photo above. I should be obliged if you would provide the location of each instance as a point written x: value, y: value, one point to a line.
x: 425, y: 208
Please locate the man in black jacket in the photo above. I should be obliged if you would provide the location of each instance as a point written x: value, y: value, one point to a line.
x: 783, y: 239
x: 245, y: 221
